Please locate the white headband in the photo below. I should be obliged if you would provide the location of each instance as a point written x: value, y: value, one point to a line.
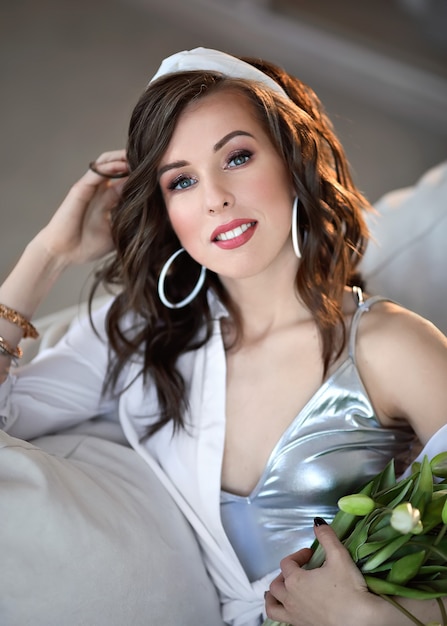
x: 207, y: 59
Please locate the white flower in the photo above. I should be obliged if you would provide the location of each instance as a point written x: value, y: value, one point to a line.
x: 406, y: 519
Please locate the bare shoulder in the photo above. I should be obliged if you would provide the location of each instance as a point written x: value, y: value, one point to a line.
x: 402, y: 359
x: 390, y: 325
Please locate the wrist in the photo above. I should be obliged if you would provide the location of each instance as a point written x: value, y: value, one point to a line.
x: 48, y: 260
x: 374, y: 610
x: 383, y: 611
x: 28, y: 284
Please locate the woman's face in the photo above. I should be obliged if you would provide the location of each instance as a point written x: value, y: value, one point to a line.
x: 227, y: 191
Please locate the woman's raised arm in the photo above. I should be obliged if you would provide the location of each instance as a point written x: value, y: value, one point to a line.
x: 79, y: 232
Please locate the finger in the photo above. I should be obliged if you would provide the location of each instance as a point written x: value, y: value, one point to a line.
x: 84, y: 190
x: 111, y: 164
x: 91, y: 182
x: 276, y: 587
x: 300, y: 558
x: 274, y: 609
x: 117, y: 169
x: 328, y: 539
x: 112, y: 155
x: 109, y: 169
x: 277, y: 593
x: 295, y: 561
x: 117, y: 186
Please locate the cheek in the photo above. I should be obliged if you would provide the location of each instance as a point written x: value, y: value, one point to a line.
x: 274, y: 194
x: 271, y: 183
x: 184, y: 224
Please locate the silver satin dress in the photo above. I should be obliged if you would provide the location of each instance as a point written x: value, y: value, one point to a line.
x: 333, y: 447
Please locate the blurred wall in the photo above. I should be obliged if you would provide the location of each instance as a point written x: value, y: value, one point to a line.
x: 72, y: 71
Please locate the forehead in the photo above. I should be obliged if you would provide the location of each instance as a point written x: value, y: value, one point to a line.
x: 226, y: 97
x: 213, y: 116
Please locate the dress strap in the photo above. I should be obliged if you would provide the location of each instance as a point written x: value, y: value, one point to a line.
x: 362, y: 307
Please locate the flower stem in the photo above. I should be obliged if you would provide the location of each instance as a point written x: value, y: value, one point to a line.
x: 400, y: 608
x: 442, y: 610
x: 430, y: 548
x: 440, y: 535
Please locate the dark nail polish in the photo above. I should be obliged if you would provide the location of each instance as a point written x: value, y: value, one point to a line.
x: 319, y: 521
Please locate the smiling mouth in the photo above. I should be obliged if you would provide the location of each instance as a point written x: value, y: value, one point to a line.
x: 234, y: 232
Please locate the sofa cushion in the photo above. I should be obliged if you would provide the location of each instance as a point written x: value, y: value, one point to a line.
x: 90, y: 537
x: 407, y: 259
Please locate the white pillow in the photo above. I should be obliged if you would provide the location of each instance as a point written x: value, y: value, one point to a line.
x: 94, y: 540
x: 407, y: 261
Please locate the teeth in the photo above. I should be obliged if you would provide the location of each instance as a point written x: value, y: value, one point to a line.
x: 236, y: 232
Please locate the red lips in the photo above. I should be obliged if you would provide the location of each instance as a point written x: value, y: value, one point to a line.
x: 233, y: 234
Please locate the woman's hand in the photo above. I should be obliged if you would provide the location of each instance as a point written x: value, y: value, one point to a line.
x: 79, y: 231
x: 335, y: 593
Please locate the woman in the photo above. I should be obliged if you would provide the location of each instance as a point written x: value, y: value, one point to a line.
x: 237, y: 353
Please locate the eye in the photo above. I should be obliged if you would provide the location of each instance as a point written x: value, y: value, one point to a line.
x: 238, y: 159
x: 181, y: 182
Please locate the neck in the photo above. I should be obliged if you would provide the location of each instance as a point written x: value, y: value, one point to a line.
x: 267, y: 303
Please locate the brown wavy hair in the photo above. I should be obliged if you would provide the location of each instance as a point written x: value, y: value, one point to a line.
x: 332, y: 230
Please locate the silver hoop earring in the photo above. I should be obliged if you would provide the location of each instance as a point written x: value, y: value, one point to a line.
x: 295, y: 243
x: 161, y: 284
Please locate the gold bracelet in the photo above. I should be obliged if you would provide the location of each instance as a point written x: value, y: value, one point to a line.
x: 7, y: 350
x: 16, y: 318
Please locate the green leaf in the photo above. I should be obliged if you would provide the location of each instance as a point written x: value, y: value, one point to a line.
x: 385, y: 553
x: 385, y: 567
x: 423, y: 487
x: 439, y: 490
x: 444, y: 513
x: 415, y: 467
x: 430, y: 570
x: 370, y: 547
x: 433, y: 513
x: 385, y: 533
x: 381, y: 520
x: 358, y: 536
x: 395, y: 494
x: 406, y: 568
x: 436, y: 552
x: 438, y: 586
x: 439, y: 465
x: 384, y: 480
x: 342, y: 524
x: 384, y: 587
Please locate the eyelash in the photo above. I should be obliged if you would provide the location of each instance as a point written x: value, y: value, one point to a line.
x: 239, y: 153
x: 172, y: 186
x: 235, y: 155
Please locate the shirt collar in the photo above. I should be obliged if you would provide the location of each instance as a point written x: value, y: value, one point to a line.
x: 217, y: 308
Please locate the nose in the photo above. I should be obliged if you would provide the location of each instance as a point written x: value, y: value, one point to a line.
x: 217, y: 197
x: 225, y: 204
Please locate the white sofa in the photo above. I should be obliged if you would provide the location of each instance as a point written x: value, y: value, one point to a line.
x: 89, y: 537
x: 407, y: 261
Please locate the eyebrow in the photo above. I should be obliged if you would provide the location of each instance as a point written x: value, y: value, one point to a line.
x: 218, y: 146
x: 170, y: 166
x: 235, y: 133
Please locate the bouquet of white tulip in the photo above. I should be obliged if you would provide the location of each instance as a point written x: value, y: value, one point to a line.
x: 395, y: 532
